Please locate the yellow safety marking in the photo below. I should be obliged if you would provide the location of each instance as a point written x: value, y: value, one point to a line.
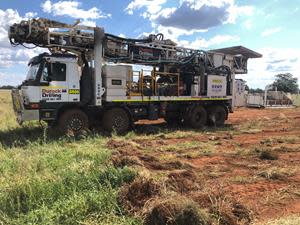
x: 217, y: 81
x: 166, y: 100
x: 74, y: 91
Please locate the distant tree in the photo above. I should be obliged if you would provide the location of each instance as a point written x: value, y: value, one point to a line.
x: 7, y: 87
x: 286, y: 82
x: 257, y: 90
x: 247, y: 88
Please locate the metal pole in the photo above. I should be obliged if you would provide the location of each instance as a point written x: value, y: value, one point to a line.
x: 266, y: 92
x: 98, y: 53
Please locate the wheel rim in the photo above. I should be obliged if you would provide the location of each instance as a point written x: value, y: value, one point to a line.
x: 75, y: 124
x: 198, y: 117
x: 218, y: 116
x: 119, y: 123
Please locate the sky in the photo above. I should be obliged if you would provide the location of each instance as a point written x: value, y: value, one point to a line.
x: 268, y: 27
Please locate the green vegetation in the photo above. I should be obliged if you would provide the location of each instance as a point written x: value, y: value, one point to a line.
x: 286, y: 82
x: 47, y: 180
x: 296, y: 99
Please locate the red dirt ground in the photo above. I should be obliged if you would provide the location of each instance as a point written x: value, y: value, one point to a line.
x: 269, y: 188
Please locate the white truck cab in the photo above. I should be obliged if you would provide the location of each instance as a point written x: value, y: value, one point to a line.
x: 52, y: 80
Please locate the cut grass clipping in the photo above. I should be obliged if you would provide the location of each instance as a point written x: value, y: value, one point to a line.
x: 268, y: 155
x: 133, y: 197
x: 175, y: 211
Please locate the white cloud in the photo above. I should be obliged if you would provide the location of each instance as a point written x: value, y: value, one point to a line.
x: 7, y: 18
x: 47, y: 6
x: 191, y: 14
x: 271, y: 31
x: 9, y: 55
x: 17, y: 56
x: 174, y: 33
x: 248, y: 24
x: 89, y: 23
x: 30, y: 15
x: 201, y: 43
x: 7, y: 78
x: 71, y: 8
x: 151, y: 6
x: 189, y: 17
x: 262, y: 71
x: 236, y: 11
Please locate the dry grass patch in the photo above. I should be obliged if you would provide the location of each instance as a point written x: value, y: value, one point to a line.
x: 182, y: 181
x: 267, y: 154
x: 290, y: 220
x: 175, y: 211
x: 132, y: 197
x: 122, y: 161
x: 275, y: 173
x: 242, y: 180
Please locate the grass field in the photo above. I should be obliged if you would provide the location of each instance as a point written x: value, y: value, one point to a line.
x: 247, y: 172
x: 56, y: 181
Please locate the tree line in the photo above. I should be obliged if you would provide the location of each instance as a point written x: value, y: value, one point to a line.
x: 9, y: 87
x: 285, y: 82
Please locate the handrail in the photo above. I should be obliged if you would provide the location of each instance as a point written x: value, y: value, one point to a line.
x: 152, y: 79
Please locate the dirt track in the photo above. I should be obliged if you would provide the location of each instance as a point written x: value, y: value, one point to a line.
x: 230, y: 160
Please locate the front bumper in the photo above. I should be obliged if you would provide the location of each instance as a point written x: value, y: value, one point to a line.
x: 22, y: 114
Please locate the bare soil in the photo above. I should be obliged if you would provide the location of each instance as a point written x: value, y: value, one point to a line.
x: 226, y: 162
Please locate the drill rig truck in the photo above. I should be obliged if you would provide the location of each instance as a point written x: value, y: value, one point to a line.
x: 92, y: 77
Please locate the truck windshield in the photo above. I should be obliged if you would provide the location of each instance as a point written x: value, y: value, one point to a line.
x: 32, y: 72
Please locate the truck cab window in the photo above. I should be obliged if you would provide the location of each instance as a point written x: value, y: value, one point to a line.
x: 33, y: 71
x: 58, y: 72
x: 45, y: 74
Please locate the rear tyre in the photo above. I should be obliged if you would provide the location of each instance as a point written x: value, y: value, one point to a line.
x: 73, y: 122
x: 217, y: 115
x: 197, y: 117
x: 173, y: 118
x: 116, y: 119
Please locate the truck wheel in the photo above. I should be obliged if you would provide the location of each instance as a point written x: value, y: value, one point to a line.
x: 172, y: 118
x: 117, y: 120
x: 217, y: 115
x: 73, y: 121
x: 197, y: 117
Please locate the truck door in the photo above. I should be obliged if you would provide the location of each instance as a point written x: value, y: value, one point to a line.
x: 73, y: 82
x: 57, y: 89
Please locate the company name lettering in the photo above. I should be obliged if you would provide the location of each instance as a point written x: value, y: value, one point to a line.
x: 54, y: 93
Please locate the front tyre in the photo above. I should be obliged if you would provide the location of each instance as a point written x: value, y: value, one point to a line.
x: 73, y: 122
x: 116, y: 119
